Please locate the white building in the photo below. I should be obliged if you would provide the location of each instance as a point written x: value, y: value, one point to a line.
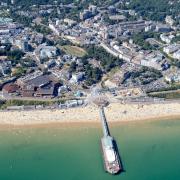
x: 5, y: 68
x: 171, y: 48
x: 54, y: 29
x: 22, y: 44
x: 173, y: 78
x: 93, y: 9
x: 169, y: 20
x: 70, y: 22
x: 167, y: 39
x: 176, y: 55
x: 154, y: 60
x: 77, y: 77
x: 44, y: 51
x: 50, y: 63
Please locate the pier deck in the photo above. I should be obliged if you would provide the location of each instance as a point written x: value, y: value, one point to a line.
x: 110, y: 152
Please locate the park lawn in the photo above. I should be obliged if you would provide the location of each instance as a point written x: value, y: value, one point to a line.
x: 74, y: 50
x: 172, y: 94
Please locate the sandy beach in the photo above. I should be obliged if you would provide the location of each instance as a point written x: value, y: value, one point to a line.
x: 115, y: 112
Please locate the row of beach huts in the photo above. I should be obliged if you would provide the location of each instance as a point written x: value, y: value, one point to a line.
x: 65, y: 105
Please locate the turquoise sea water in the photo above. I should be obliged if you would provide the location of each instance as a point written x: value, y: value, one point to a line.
x: 149, y: 151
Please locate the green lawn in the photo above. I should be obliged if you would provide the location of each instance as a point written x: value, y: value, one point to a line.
x: 166, y: 94
x: 74, y: 50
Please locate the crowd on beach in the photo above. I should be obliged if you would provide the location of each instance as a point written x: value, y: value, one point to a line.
x: 115, y: 112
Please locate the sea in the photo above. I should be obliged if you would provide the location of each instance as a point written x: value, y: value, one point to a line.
x: 149, y: 150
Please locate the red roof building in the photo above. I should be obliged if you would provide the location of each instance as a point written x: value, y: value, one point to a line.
x: 10, y: 88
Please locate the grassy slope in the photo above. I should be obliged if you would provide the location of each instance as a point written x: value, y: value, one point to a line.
x: 74, y: 50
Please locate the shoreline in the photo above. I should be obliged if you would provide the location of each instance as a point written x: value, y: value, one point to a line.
x: 80, y: 125
x: 115, y: 113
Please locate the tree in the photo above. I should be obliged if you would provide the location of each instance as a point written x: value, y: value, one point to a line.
x: 73, y: 67
x: 107, y: 60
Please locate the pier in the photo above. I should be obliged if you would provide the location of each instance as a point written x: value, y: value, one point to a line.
x: 104, y: 123
x: 112, y: 162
